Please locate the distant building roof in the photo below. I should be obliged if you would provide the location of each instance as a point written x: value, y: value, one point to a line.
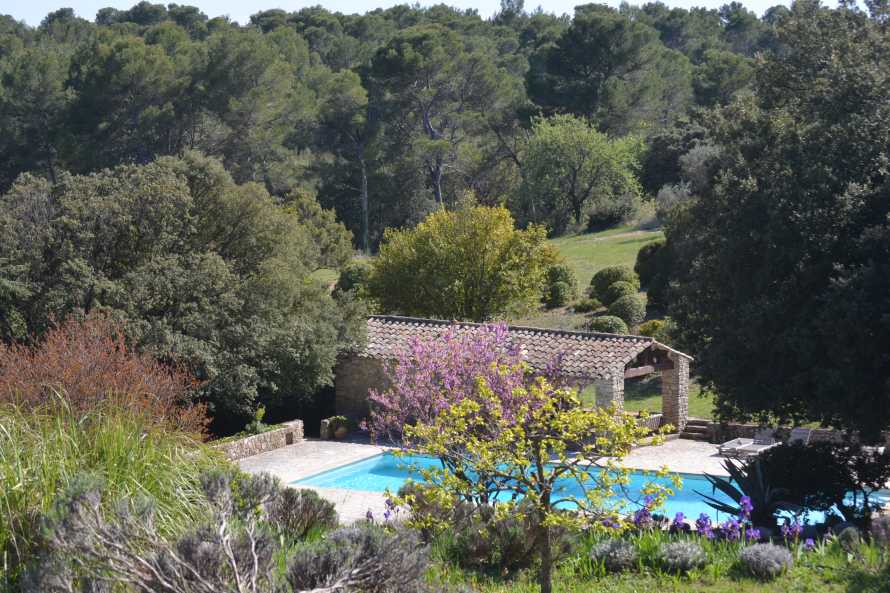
x: 585, y: 354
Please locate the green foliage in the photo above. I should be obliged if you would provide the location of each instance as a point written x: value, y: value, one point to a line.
x: 630, y: 308
x: 257, y: 426
x: 649, y: 262
x: 558, y: 295
x: 606, y: 277
x: 571, y: 171
x: 561, y: 273
x: 354, y: 276
x: 360, y: 108
x: 749, y: 480
x: 653, y: 266
x: 789, y: 262
x: 607, y: 324
x: 815, y: 476
x: 661, y: 330
x: 721, y: 76
x: 209, y: 274
x: 617, y: 290
x: 469, y: 264
x: 562, y: 287
x: 42, y: 452
x: 610, y: 69
x: 587, y: 305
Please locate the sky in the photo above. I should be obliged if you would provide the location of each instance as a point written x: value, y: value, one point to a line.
x: 33, y: 11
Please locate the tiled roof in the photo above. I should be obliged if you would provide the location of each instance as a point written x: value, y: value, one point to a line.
x: 585, y: 354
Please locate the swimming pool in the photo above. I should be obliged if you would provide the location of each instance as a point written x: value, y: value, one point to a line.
x: 389, y: 472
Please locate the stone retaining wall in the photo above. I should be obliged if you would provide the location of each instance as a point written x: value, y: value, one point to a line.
x: 288, y: 434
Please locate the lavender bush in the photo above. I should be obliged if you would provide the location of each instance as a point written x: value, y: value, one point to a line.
x: 615, y: 555
x: 682, y: 557
x: 239, y: 548
x: 766, y: 561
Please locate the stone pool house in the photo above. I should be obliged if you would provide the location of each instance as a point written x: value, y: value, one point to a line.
x: 604, y: 360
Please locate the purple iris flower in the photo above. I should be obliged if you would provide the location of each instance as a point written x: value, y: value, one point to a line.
x: 643, y: 518
x: 732, y: 530
x: 809, y: 544
x: 746, y: 507
x: 791, y: 529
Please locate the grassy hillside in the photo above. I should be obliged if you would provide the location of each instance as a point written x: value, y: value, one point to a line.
x: 588, y: 253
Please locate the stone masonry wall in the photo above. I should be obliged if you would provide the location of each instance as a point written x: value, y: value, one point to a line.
x: 675, y: 392
x: 353, y: 378
x: 610, y: 391
x: 290, y: 433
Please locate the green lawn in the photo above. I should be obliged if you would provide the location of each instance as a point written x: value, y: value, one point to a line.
x: 645, y: 394
x: 590, y: 252
x: 586, y: 254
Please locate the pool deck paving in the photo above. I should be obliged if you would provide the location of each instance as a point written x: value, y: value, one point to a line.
x: 314, y: 456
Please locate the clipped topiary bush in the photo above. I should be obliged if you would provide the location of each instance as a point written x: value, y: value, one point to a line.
x: 587, y: 305
x: 558, y: 295
x: 614, y: 555
x: 650, y: 262
x: 606, y: 277
x: 766, y: 561
x: 561, y: 273
x: 562, y: 286
x: 607, y: 324
x: 631, y: 309
x: 617, y: 290
x: 682, y: 557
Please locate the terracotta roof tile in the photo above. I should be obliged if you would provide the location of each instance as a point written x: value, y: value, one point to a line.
x: 586, y: 354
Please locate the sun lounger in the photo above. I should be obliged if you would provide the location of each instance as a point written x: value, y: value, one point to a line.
x: 744, y: 448
x: 800, y: 435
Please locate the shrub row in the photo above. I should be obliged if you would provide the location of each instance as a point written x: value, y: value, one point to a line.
x: 763, y: 561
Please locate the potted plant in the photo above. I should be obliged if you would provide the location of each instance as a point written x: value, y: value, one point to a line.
x: 339, y: 426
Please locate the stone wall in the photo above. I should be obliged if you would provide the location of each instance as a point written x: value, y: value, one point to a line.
x: 675, y: 392
x: 353, y: 377
x: 611, y: 390
x: 289, y: 433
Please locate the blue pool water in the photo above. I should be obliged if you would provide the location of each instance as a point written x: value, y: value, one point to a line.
x: 388, y: 472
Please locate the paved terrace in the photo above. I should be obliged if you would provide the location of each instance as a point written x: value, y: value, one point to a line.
x: 313, y: 456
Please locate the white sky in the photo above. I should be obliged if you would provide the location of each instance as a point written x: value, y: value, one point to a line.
x: 33, y: 11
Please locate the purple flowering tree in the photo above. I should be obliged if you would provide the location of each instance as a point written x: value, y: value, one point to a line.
x: 431, y: 375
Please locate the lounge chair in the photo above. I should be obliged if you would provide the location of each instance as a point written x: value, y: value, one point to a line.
x: 800, y: 435
x: 745, y: 448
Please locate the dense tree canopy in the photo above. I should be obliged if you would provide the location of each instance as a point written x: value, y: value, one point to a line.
x: 209, y: 273
x: 190, y: 174
x: 781, y: 285
x: 381, y: 115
